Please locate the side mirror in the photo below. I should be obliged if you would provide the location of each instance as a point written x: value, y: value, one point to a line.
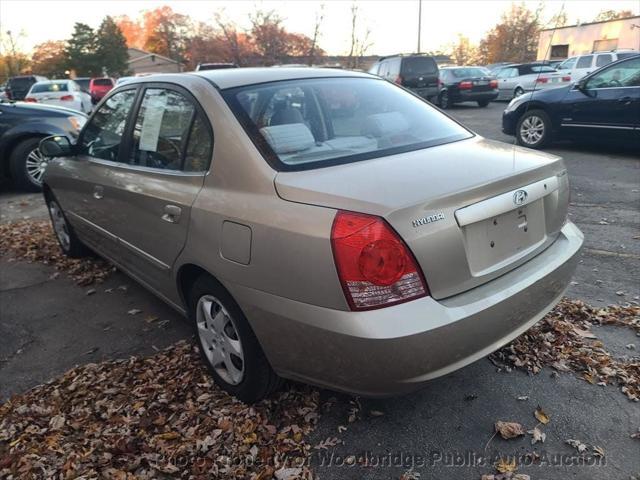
x: 582, y: 85
x: 55, y: 146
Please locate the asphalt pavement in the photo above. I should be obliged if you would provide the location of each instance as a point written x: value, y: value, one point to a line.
x: 442, y: 432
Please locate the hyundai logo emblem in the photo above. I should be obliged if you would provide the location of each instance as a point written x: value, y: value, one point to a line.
x: 520, y: 196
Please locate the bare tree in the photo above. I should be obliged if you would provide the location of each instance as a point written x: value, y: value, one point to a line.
x: 359, y: 44
x: 232, y: 39
x: 14, y: 60
x: 316, y: 34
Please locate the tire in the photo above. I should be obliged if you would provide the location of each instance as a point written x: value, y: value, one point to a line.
x: 69, y: 242
x: 483, y: 103
x: 517, y: 92
x: 227, y: 344
x: 27, y: 165
x: 444, y: 101
x: 533, y: 129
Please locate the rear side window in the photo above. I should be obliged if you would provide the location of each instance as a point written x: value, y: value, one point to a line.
x: 584, y: 62
x: 102, y: 136
x: 419, y: 66
x: 304, y: 124
x: 568, y: 64
x: 604, y: 59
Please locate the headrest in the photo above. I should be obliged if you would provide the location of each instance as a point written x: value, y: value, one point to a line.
x: 293, y: 137
x: 384, y: 124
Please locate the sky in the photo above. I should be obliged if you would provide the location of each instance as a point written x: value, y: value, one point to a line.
x: 393, y: 23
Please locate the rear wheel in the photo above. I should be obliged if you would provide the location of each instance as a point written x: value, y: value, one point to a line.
x: 227, y: 343
x: 444, y: 101
x: 534, y: 129
x: 483, y: 103
x: 27, y: 165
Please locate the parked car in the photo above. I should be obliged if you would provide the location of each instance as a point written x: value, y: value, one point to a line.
x: 99, y: 87
x: 85, y: 83
x: 604, y: 105
x: 494, y: 67
x: 22, y: 126
x: 214, y: 66
x: 418, y: 73
x: 62, y: 93
x: 18, y: 87
x: 514, y: 80
x: 466, y: 84
x: 367, y: 253
x: 581, y: 65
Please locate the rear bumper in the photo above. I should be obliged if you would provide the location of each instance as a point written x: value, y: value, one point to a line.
x: 466, y: 96
x: 394, y: 350
x: 426, y: 92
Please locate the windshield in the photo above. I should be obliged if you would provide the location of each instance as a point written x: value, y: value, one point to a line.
x: 469, y: 72
x: 305, y: 124
x: 50, y: 87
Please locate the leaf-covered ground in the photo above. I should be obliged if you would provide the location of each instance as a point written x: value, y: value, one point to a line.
x: 34, y: 241
x: 155, y: 417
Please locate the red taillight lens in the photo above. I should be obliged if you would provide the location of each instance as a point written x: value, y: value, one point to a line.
x: 465, y: 85
x: 566, y: 78
x: 375, y: 267
x: 399, y: 80
x: 30, y: 99
x: 542, y: 80
x: 493, y: 84
x: 66, y: 98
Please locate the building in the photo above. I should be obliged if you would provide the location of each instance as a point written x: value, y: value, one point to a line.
x: 145, y: 62
x: 565, y: 42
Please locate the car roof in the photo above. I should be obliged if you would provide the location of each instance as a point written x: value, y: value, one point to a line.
x: 62, y: 80
x: 238, y: 77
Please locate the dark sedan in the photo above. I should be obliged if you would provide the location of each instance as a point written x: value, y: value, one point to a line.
x: 22, y: 126
x: 604, y: 105
x: 466, y: 84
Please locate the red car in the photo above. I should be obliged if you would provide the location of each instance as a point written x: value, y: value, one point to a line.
x: 99, y: 87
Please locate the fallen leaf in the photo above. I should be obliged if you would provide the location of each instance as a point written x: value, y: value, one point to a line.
x: 91, y: 291
x: 537, y: 435
x: 598, y: 452
x: 541, y: 416
x: 150, y: 318
x: 577, y: 444
x: 509, y: 430
x: 376, y: 413
x: 134, y: 311
x: 522, y: 398
x: 504, y: 465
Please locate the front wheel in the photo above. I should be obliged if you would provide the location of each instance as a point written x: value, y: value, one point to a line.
x: 227, y: 343
x: 67, y: 238
x: 534, y: 129
x: 483, y: 103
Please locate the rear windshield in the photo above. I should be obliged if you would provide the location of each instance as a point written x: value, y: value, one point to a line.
x: 542, y: 69
x: 469, y: 72
x: 418, y: 65
x: 84, y: 83
x: 103, y: 82
x: 50, y: 87
x: 313, y: 123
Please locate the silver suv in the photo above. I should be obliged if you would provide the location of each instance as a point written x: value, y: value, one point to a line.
x: 324, y: 226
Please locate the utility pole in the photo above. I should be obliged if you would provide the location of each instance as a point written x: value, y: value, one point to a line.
x: 419, y: 22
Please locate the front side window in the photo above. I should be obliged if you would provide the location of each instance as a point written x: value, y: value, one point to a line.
x: 318, y: 122
x: 585, y: 62
x: 625, y: 74
x: 102, y: 136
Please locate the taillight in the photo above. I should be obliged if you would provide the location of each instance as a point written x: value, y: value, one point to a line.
x: 30, y: 99
x: 375, y: 267
x: 66, y: 98
x: 566, y: 78
x: 493, y: 84
x: 542, y: 80
x: 465, y: 85
x: 399, y: 80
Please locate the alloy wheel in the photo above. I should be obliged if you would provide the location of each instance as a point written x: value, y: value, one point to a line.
x: 60, y: 226
x: 220, y: 340
x: 36, y: 165
x: 532, y: 130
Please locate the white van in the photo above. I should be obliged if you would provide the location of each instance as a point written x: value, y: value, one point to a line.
x: 582, y: 65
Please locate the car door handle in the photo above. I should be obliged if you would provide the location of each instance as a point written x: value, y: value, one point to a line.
x: 98, y: 192
x: 171, y: 213
x: 625, y: 100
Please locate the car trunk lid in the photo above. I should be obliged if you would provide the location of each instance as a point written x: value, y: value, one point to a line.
x: 454, y: 205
